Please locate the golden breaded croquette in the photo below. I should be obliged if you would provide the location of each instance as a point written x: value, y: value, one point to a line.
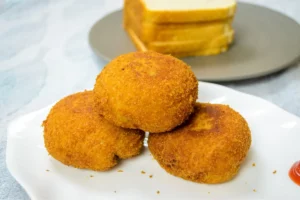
x: 207, y: 148
x: 76, y: 135
x: 146, y: 90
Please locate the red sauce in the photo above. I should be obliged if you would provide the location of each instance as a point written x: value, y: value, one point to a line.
x: 294, y: 173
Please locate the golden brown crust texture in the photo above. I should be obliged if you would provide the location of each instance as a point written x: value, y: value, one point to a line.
x: 76, y: 135
x: 147, y: 91
x: 208, y: 148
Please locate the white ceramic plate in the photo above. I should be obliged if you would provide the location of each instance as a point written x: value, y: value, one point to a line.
x: 275, y: 146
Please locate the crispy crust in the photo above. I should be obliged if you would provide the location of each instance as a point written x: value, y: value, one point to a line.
x: 76, y: 135
x: 208, y: 148
x: 147, y: 91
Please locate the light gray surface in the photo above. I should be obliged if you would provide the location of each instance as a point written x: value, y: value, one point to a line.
x: 44, y: 55
x: 265, y: 41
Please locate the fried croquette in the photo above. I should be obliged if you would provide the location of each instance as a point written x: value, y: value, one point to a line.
x: 76, y: 135
x: 146, y: 90
x: 207, y: 148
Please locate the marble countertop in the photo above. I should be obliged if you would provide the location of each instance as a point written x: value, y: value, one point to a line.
x: 44, y: 56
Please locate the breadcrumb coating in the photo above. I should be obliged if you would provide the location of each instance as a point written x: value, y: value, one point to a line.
x: 146, y: 90
x: 76, y: 135
x: 208, y: 148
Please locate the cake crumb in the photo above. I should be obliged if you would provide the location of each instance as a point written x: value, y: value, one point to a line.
x: 253, y: 164
x: 158, y: 192
x: 143, y: 172
x: 91, y: 176
x: 274, y: 172
x: 254, y: 190
x: 47, y: 170
x: 208, y: 192
x: 120, y: 170
x: 150, y: 176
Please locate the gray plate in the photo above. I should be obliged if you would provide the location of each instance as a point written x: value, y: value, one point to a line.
x: 266, y: 41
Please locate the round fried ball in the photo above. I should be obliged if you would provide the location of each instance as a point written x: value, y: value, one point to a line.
x: 146, y: 90
x: 76, y: 135
x: 208, y: 148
